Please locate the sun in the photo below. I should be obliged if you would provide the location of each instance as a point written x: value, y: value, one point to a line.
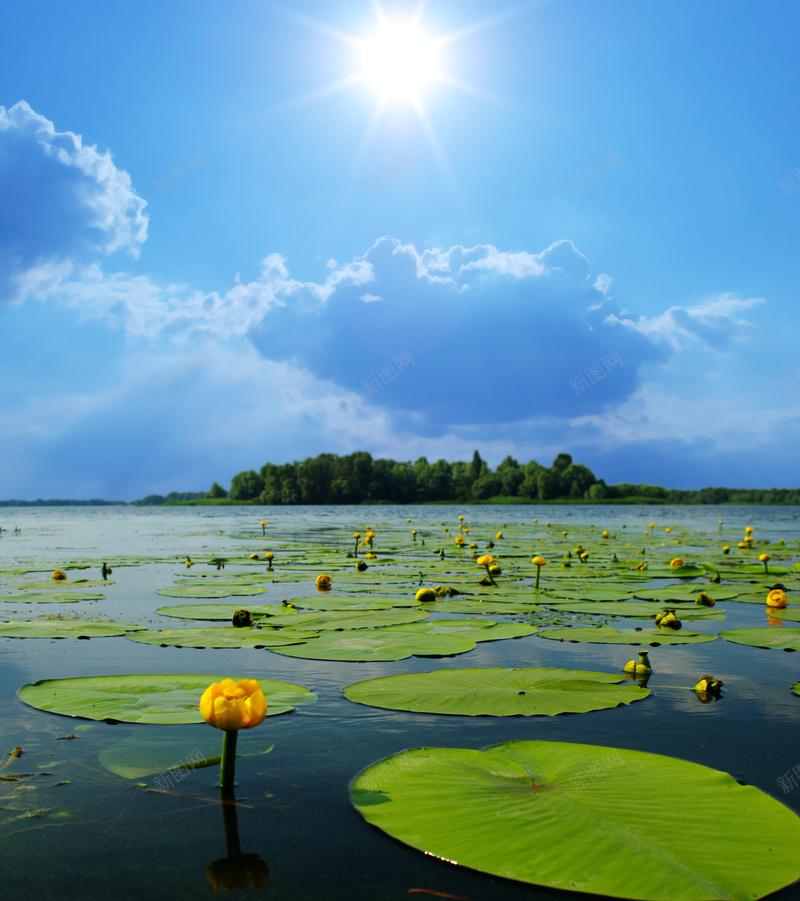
x: 398, y: 62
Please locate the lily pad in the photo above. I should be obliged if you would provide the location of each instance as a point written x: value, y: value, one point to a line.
x: 607, y: 635
x: 637, y: 609
x: 220, y: 637
x: 684, y: 592
x: 605, y: 821
x: 475, y: 629
x: 33, y: 597
x: 767, y: 637
x: 214, y: 612
x: 346, y: 619
x: 494, y: 607
x: 65, y: 627
x: 210, y: 591
x: 495, y: 691
x: 378, y: 644
x: 146, y: 699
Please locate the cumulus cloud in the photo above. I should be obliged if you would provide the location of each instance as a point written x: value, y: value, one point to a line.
x: 63, y: 203
x: 713, y: 324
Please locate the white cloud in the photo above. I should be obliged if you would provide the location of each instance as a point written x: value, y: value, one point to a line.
x: 100, y: 191
x: 370, y: 298
x: 711, y: 324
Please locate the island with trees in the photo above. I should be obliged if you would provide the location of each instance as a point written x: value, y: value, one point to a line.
x: 357, y: 478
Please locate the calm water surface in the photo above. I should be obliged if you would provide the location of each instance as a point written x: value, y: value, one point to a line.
x: 101, y: 835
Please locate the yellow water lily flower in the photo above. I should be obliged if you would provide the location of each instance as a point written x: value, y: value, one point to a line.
x: 640, y: 667
x: 777, y: 598
x: 324, y: 583
x: 254, y: 556
x: 233, y: 705
x: 678, y: 561
x: 708, y: 683
x: 425, y: 594
x: 641, y: 566
x: 485, y: 560
x: 499, y: 535
x: 58, y: 576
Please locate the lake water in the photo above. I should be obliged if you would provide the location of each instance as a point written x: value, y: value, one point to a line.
x: 100, y: 835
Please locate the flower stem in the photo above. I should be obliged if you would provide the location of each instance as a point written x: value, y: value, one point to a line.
x: 228, y: 761
x: 538, y: 570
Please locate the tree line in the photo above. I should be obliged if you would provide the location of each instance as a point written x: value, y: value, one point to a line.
x: 358, y: 478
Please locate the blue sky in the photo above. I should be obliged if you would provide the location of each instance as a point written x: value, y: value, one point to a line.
x: 222, y: 243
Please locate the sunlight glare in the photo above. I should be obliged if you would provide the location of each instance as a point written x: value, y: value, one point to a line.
x: 399, y: 61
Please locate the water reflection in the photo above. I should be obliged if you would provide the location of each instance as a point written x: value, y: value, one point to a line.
x: 236, y: 870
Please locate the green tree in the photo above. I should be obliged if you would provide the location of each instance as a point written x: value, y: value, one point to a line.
x: 246, y: 486
x: 561, y: 462
x: 511, y: 477
x: 216, y: 491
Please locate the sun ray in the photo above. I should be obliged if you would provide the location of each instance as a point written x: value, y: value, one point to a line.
x: 398, y: 62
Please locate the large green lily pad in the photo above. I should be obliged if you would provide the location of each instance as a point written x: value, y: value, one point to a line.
x: 221, y: 637
x: 767, y: 637
x: 495, y: 607
x: 637, y: 609
x: 684, y: 592
x: 65, y: 627
x: 604, y: 821
x: 378, y: 644
x: 210, y: 591
x: 474, y: 629
x: 215, y: 612
x: 495, y: 691
x: 346, y: 619
x: 146, y: 699
x: 607, y: 635
x: 34, y: 597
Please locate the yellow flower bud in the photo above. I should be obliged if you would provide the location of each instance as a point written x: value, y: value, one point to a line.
x: 58, y: 576
x: 323, y: 583
x: 777, y: 598
x: 233, y: 705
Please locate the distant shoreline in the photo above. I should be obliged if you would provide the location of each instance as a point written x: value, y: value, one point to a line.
x: 520, y: 501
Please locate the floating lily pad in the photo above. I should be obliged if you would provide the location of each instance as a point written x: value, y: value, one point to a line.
x: 348, y: 602
x: 600, y: 820
x: 475, y: 629
x: 489, y: 606
x: 346, y: 619
x: 378, y: 644
x: 61, y: 586
x: 591, y: 593
x: 791, y: 614
x: 33, y: 597
x: 221, y: 637
x: 214, y: 612
x: 65, y: 627
x: 684, y: 592
x: 146, y: 699
x: 637, y: 609
x: 767, y: 637
x: 607, y: 635
x: 495, y: 691
x: 210, y: 591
